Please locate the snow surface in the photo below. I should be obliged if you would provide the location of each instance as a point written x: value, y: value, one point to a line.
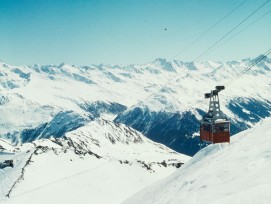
x: 238, y: 172
x: 101, y: 162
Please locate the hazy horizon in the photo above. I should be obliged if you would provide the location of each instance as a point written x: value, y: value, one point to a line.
x: 128, y: 32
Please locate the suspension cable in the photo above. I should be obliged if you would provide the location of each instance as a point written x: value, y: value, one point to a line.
x: 224, y: 36
x: 249, y: 25
x: 208, y: 29
x: 229, y: 32
x: 254, y: 63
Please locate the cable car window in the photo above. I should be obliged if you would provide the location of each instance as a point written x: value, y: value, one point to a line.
x: 226, y: 127
x: 222, y: 127
x: 206, y: 127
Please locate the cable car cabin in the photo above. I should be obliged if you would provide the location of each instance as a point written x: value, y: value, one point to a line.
x: 217, y: 132
x: 215, y: 126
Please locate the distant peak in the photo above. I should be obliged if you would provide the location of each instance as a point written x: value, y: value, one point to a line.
x: 160, y: 60
x: 61, y: 65
x: 164, y: 64
x: 260, y: 58
x: 36, y: 65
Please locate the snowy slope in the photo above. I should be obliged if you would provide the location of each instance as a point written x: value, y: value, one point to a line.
x: 118, y: 141
x: 101, y: 162
x: 223, y: 173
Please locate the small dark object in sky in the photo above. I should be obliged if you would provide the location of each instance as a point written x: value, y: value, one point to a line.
x: 165, y: 29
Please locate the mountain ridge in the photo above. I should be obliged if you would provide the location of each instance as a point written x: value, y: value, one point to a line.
x: 35, y: 95
x: 90, y: 154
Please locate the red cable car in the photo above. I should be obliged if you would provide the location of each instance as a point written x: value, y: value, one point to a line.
x: 215, y: 126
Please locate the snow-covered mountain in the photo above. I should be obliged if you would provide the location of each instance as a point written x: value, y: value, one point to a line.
x: 101, y: 162
x: 163, y: 100
x: 238, y: 172
x: 172, y: 115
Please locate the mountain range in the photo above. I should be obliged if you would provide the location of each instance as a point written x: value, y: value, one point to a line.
x: 161, y: 99
x: 101, y: 133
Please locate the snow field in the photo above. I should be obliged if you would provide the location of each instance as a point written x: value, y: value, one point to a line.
x: 222, y: 173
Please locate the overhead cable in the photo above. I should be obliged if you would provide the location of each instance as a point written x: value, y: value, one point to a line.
x: 229, y: 32
x: 209, y: 29
x: 249, y: 25
x: 255, y: 62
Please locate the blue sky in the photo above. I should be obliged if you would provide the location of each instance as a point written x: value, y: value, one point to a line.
x: 85, y: 32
